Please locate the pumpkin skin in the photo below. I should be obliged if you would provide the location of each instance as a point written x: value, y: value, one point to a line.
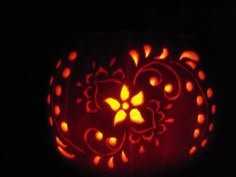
x: 142, y: 110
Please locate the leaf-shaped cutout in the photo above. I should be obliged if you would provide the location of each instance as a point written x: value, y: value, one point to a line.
x: 137, y: 99
x: 124, y: 94
x: 113, y: 103
x: 119, y: 117
x: 135, y: 116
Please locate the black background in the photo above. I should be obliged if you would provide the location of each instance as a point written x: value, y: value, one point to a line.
x: 37, y: 36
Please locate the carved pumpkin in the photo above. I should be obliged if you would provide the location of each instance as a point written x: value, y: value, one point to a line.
x: 145, y: 109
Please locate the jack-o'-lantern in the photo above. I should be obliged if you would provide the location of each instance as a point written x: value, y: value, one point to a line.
x: 143, y: 109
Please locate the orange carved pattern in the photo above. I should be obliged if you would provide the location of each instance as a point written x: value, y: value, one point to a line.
x: 132, y: 105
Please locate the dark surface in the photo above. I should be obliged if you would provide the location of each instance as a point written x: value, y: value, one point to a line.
x: 38, y: 37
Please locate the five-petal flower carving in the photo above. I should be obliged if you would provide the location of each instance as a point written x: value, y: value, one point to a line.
x: 122, y: 108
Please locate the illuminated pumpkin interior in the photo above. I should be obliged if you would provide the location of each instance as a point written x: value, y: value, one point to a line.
x: 153, y: 113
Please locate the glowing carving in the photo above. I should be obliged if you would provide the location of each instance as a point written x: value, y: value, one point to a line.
x: 66, y: 73
x: 192, y: 150
x: 112, y: 141
x: 124, y: 94
x: 201, y: 75
x: 50, y: 121
x: 51, y: 80
x: 201, y: 118
x: 113, y: 103
x: 58, y: 90
x: 96, y: 160
x: 191, y: 58
x: 111, y: 163
x: 58, y: 64
x: 99, y: 135
x: 147, y: 50
x: 163, y: 55
x: 60, y: 143
x: 124, y: 157
x: 72, y: 56
x: 213, y: 109
x: 153, y: 81
x: 64, y: 127
x: 204, y: 143
x: 64, y: 153
x: 119, y: 117
x: 168, y: 88
x: 196, y: 133
x: 189, y: 86
x: 199, y: 100
x: 209, y: 92
x: 189, y: 55
x: 135, y: 56
x: 111, y: 111
x: 135, y: 116
x: 57, y: 110
x: 136, y: 100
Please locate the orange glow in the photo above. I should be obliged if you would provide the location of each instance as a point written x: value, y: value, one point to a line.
x: 201, y: 75
x: 213, y: 109
x: 163, y: 55
x: 113, y: 103
x: 48, y: 99
x: 189, y: 54
x: 125, y: 106
x: 65, y: 154
x: 209, y: 92
x: 58, y: 90
x: 189, y: 86
x: 201, y: 118
x: 119, y: 117
x: 196, y: 133
x: 111, y: 163
x: 199, y: 100
x: 96, y: 160
x: 192, y: 150
x: 135, y: 116
x: 141, y: 149
x: 147, y: 50
x: 50, y: 121
x: 137, y: 99
x: 191, y: 64
x: 64, y: 127
x: 57, y: 110
x: 135, y: 56
x: 211, y: 126
x: 58, y: 64
x: 72, y: 56
x: 60, y: 143
x: 66, y: 73
x: 204, y: 143
x: 168, y: 88
x: 124, y: 157
x: 153, y: 81
x: 99, y: 135
x: 112, y: 141
x: 124, y: 94
x: 51, y: 80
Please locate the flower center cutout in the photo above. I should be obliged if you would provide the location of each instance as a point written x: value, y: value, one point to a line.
x: 121, y: 109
